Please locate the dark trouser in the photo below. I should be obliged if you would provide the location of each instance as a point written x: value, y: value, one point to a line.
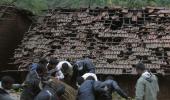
x: 27, y: 95
x: 103, y: 97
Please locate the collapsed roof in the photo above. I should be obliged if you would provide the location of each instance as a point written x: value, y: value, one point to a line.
x: 114, y: 38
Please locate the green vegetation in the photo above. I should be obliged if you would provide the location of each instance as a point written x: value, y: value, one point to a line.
x: 36, y: 6
x: 102, y: 3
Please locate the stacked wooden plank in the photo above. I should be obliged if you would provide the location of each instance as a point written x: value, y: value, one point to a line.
x: 114, y: 38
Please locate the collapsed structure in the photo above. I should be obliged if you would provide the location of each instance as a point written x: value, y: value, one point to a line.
x: 13, y: 24
x: 114, y: 38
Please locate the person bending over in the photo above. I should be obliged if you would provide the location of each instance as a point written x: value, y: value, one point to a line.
x: 63, y: 68
x: 85, y: 92
x: 32, y: 83
x: 81, y: 67
x: 105, y: 89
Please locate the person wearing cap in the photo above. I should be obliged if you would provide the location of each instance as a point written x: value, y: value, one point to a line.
x: 147, y: 86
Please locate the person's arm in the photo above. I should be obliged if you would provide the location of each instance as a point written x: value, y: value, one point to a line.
x: 44, y: 96
x: 99, y: 87
x: 116, y: 87
x: 59, y: 75
x: 140, y: 87
x: 74, y: 75
x: 157, y: 85
x: 70, y: 70
x: 90, y: 66
x: 92, y: 70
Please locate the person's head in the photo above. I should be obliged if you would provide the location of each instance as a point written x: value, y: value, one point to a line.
x: 52, y: 63
x: 43, y: 61
x: 65, y: 68
x: 80, y: 80
x: 41, y: 69
x: 109, y: 78
x: 7, y: 82
x: 36, y: 60
x: 90, y: 78
x: 140, y: 68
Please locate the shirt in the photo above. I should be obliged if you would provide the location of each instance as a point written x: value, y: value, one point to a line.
x: 90, y: 74
x: 59, y: 73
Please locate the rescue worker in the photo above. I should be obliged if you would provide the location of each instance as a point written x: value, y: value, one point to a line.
x: 43, y: 61
x: 64, y: 68
x: 81, y: 79
x: 51, y: 66
x: 85, y: 92
x: 52, y: 63
x: 35, y: 63
x: 84, y: 66
x: 33, y: 66
x: 32, y: 83
x: 147, y: 86
x: 81, y: 67
x: 5, y: 86
x: 105, y: 89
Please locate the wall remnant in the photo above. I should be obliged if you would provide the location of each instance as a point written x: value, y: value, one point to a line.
x: 13, y: 24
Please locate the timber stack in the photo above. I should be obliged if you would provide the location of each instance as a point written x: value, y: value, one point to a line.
x: 114, y: 38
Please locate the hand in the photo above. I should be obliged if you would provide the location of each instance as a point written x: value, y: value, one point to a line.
x: 105, y: 88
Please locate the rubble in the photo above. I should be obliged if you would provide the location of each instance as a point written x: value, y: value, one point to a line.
x: 114, y: 38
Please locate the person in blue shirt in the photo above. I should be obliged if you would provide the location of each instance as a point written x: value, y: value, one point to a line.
x: 82, y: 67
x: 34, y: 65
x: 32, y: 82
x: 85, y: 92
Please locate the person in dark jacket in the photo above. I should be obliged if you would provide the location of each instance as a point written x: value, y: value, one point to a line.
x: 51, y: 91
x: 84, y: 66
x: 81, y: 67
x: 105, y: 89
x: 52, y: 64
x: 4, y: 95
x: 85, y: 92
x: 32, y: 83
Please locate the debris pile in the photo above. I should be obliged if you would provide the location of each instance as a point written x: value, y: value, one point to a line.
x: 114, y: 38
